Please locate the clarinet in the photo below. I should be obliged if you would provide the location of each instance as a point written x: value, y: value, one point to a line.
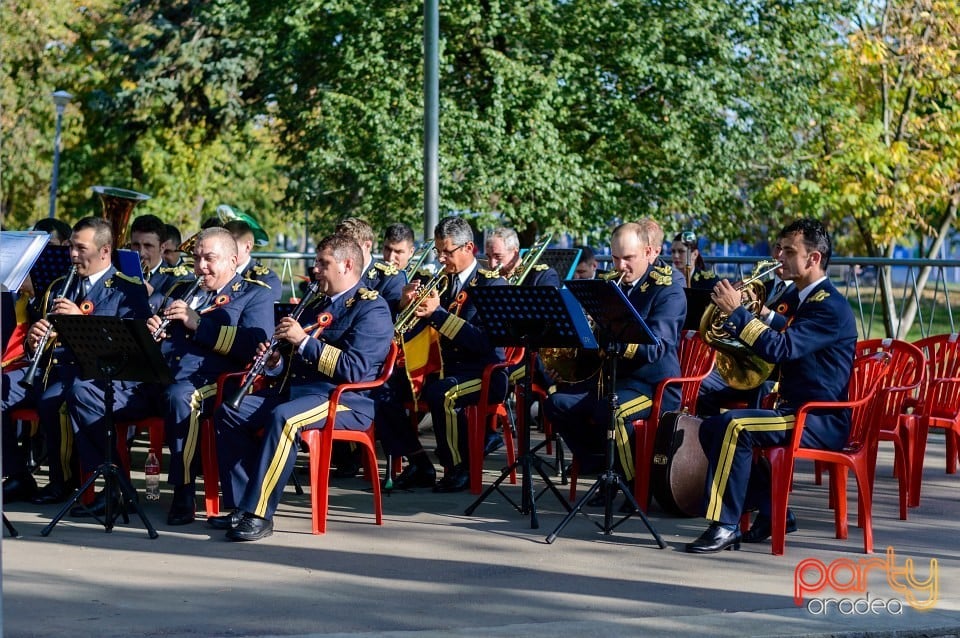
x: 260, y: 361
x: 28, y: 380
x: 194, y: 287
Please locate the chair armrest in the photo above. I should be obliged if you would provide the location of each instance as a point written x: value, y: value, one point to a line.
x: 385, y: 373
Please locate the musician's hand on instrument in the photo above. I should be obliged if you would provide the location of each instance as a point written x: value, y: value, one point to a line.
x: 153, y: 324
x: 180, y: 311
x: 409, y: 293
x: 725, y: 296
x: 290, y: 330
x: 63, y: 306
x: 430, y: 303
x: 36, y: 333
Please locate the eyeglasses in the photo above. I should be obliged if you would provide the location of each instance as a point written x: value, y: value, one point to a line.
x: 447, y: 253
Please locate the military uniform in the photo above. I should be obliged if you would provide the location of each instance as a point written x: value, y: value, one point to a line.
x: 387, y: 280
x: 164, y: 278
x: 254, y: 271
x: 232, y: 323
x: 581, y: 414
x: 351, y: 348
x: 113, y: 295
x: 815, y: 352
x: 703, y: 279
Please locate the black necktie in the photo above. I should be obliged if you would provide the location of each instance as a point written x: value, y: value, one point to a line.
x: 626, y: 289
x: 83, y: 289
x: 454, y: 288
x: 776, y: 292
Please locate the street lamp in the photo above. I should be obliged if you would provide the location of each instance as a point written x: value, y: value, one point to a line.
x: 61, y: 99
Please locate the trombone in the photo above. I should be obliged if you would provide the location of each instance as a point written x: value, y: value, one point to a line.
x: 418, y: 259
x: 529, y: 260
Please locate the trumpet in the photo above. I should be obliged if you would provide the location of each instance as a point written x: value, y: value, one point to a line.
x: 416, y: 261
x: 28, y: 380
x: 407, y: 318
x: 191, y: 291
x: 260, y: 361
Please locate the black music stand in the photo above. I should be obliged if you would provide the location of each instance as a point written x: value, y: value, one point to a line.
x: 10, y: 528
x: 111, y: 349
x: 52, y: 263
x: 563, y: 260
x: 619, y: 323
x: 531, y: 317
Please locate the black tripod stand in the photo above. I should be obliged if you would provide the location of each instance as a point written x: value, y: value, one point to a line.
x: 111, y: 349
x: 531, y: 317
x: 619, y: 322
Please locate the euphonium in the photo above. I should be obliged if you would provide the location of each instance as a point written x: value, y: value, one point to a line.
x: 739, y: 366
x: 529, y: 260
x: 118, y: 204
x: 407, y: 318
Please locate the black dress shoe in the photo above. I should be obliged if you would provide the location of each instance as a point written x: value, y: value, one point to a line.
x: 19, y: 487
x: 52, y: 493
x: 492, y: 443
x: 98, y: 507
x: 251, y: 528
x: 415, y: 476
x: 180, y: 515
x: 456, y: 481
x: 761, y: 528
x: 716, y: 539
x: 226, y: 521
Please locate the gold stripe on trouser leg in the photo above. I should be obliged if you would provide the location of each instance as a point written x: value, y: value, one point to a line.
x: 728, y: 449
x: 624, y: 451
x: 287, y: 442
x: 193, y: 428
x: 66, y: 442
x: 450, y: 410
x: 517, y: 375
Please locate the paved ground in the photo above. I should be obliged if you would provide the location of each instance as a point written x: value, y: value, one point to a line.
x: 434, y: 571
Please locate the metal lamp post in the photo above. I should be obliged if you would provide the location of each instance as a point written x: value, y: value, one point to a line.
x: 61, y: 99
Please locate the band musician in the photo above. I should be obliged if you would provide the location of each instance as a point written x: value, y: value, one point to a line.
x: 579, y: 412
x: 215, y: 330
x: 465, y: 351
x: 247, y: 267
x: 815, y: 352
x: 99, y: 289
x: 686, y: 257
x: 349, y: 346
x: 376, y: 274
x: 398, y: 245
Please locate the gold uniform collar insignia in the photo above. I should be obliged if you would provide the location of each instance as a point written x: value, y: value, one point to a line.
x: 372, y: 273
x: 387, y: 269
x: 349, y: 302
x: 820, y: 295
x: 236, y: 287
x: 644, y: 286
x: 366, y: 294
x: 108, y: 283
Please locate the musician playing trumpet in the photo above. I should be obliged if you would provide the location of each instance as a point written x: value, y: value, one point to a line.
x: 203, y: 334
x: 655, y: 289
x: 98, y: 289
x: 342, y: 338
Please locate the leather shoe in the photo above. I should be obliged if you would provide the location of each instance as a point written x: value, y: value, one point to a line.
x: 180, y: 515
x: 456, y: 481
x: 52, y: 493
x: 492, y: 443
x: 19, y: 487
x: 98, y: 507
x: 226, y: 521
x: 717, y: 538
x: 761, y: 528
x: 415, y: 476
x: 251, y: 528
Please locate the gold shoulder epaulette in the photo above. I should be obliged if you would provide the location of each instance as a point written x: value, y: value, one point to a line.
x: 489, y: 274
x: 541, y: 266
x: 177, y: 271
x: 126, y: 278
x: 666, y: 269
x: 387, y: 269
x: 260, y: 270
x: 661, y: 278
x: 366, y: 294
x: 820, y: 295
x: 257, y: 282
x: 704, y: 275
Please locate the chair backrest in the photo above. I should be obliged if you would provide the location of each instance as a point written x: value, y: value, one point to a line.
x: 866, y: 378
x: 904, y: 375
x: 939, y: 398
x: 696, y: 360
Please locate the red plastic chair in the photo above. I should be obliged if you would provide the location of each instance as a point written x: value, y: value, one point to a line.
x: 320, y: 446
x: 904, y: 376
x: 696, y: 361
x: 859, y: 454
x: 485, y: 413
x: 938, y: 403
x: 153, y: 425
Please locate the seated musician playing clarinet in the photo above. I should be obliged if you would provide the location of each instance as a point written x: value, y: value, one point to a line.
x: 580, y: 412
x: 97, y: 289
x: 465, y: 352
x: 343, y: 338
x: 205, y: 331
x: 815, y: 352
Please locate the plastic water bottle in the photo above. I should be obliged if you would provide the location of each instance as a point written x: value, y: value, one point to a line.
x: 151, y: 472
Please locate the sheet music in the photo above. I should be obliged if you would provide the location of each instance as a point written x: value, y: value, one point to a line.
x: 18, y: 251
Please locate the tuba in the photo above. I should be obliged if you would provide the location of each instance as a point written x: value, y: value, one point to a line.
x: 739, y: 366
x: 118, y: 204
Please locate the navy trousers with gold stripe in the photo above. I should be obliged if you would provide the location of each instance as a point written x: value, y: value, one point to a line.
x: 729, y: 439
x: 255, y: 469
x: 446, y: 397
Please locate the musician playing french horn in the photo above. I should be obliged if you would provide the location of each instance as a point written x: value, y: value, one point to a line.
x: 202, y: 334
x: 580, y: 412
x: 465, y: 350
x: 96, y: 289
x: 343, y: 338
